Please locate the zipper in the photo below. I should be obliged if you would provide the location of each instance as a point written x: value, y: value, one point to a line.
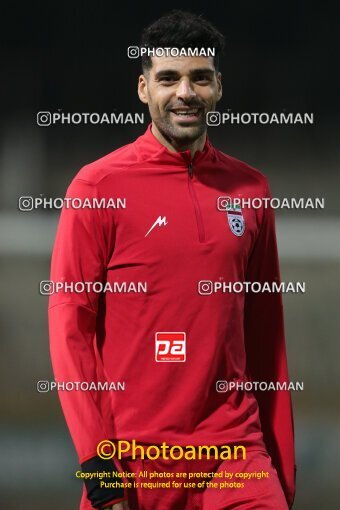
x: 198, y: 212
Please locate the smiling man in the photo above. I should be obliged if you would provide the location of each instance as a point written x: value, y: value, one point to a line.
x: 179, y: 92
x: 176, y: 345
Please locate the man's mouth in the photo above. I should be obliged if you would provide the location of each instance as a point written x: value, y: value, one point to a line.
x: 188, y: 114
x: 185, y: 112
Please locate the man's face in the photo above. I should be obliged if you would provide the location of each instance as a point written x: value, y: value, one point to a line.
x: 180, y: 91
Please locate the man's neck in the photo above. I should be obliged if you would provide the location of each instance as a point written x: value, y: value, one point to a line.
x: 193, y: 147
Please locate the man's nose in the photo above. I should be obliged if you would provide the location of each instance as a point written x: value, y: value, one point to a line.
x: 185, y: 90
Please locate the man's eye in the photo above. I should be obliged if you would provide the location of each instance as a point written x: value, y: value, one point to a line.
x: 202, y: 77
x: 168, y: 79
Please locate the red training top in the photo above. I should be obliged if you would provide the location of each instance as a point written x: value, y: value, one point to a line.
x: 170, y: 236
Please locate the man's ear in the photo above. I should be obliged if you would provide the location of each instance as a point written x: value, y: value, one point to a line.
x: 219, y: 86
x: 143, y: 89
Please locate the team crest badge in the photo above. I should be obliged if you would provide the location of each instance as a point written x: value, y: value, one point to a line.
x: 235, y: 219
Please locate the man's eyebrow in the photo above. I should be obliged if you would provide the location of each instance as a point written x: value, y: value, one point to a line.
x: 173, y: 72
x: 166, y: 72
x: 203, y: 70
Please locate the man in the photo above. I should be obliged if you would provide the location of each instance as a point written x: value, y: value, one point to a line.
x: 171, y: 344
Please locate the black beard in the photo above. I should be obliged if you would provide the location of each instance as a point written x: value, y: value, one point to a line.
x: 170, y: 133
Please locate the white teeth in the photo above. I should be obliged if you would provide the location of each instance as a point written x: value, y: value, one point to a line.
x: 186, y: 112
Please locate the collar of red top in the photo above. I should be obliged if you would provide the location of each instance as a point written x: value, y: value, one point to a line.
x: 151, y: 149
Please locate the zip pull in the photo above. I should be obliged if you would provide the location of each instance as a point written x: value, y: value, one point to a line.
x: 190, y: 170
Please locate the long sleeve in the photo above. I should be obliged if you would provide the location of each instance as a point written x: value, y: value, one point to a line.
x: 83, y: 242
x: 266, y: 353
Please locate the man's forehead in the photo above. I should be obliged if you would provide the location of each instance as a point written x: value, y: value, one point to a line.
x: 181, y: 64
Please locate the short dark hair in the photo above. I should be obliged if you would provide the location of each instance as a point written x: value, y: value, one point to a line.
x: 180, y: 29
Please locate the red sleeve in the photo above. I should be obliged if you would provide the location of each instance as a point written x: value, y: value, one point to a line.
x: 266, y: 353
x: 83, y: 241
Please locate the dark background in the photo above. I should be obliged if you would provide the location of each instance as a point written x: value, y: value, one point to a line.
x: 280, y: 56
